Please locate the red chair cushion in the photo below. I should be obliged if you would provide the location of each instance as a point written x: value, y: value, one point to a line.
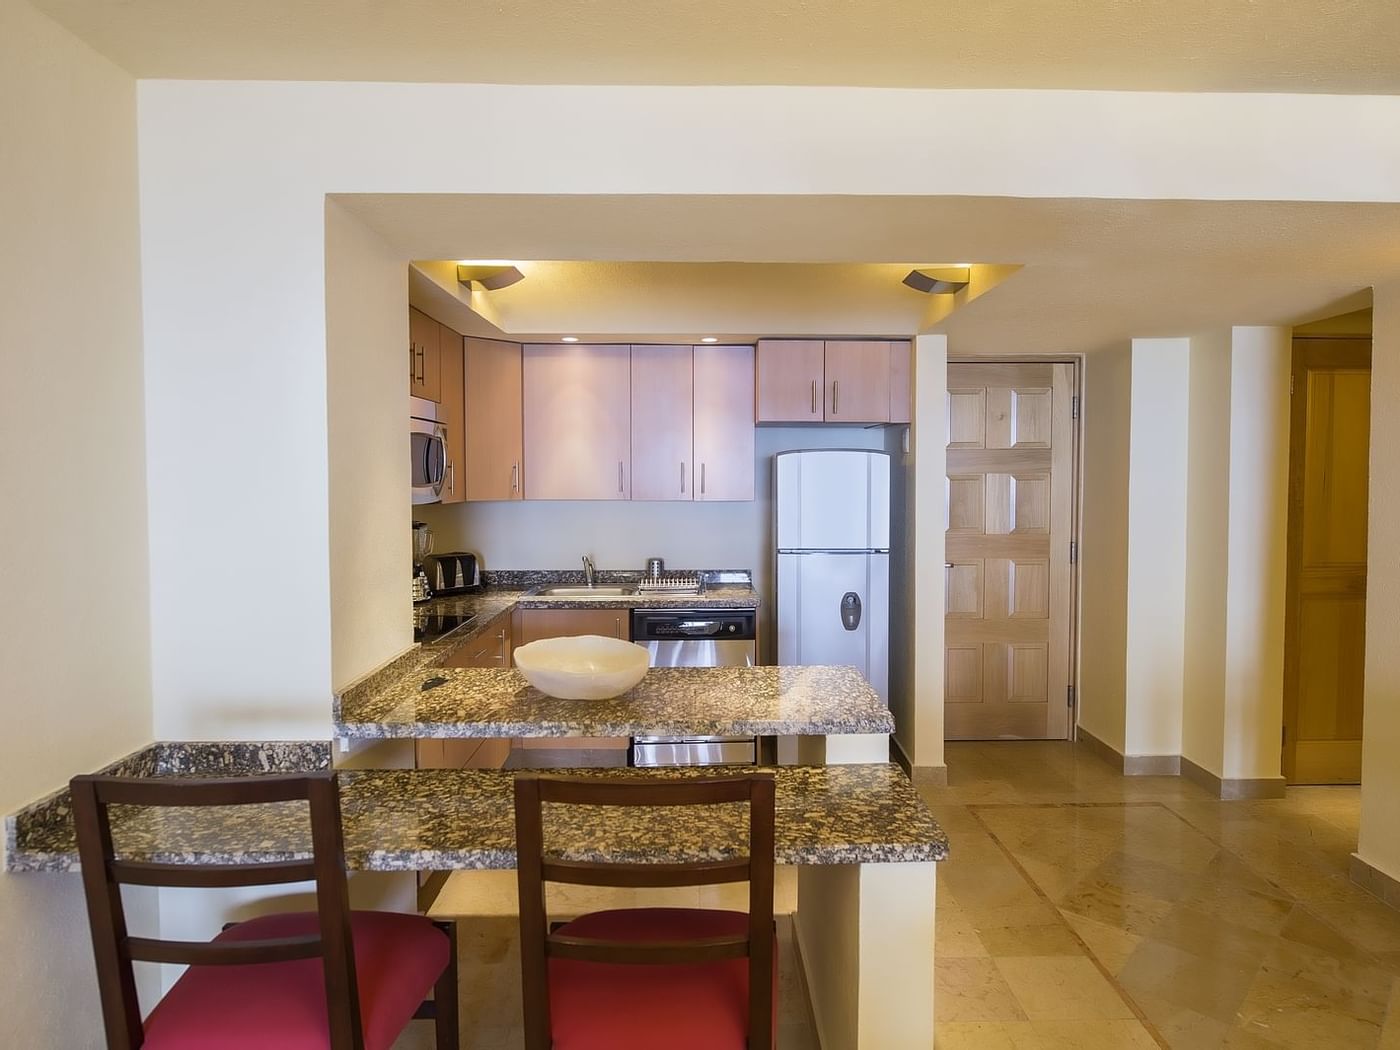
x: 282, y: 1006
x: 611, y: 1006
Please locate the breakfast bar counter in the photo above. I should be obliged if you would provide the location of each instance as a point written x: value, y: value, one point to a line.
x: 427, y: 701
x: 865, y: 845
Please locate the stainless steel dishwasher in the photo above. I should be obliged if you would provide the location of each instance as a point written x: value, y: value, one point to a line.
x: 696, y: 638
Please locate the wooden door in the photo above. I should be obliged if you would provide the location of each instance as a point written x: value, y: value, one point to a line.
x: 857, y: 381
x: 424, y: 376
x: 788, y: 381
x: 724, y: 437
x: 1008, y: 581
x: 453, y: 413
x: 578, y: 430
x: 1325, y: 618
x: 901, y: 381
x: 495, y: 434
x: 663, y: 462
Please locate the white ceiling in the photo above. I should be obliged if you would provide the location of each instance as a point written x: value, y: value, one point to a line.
x: 1095, y: 272
x: 1337, y: 46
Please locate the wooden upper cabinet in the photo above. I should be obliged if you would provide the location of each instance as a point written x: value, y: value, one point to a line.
x: 495, y: 432
x: 724, y: 437
x: 663, y: 463
x: 424, y: 364
x: 857, y: 381
x: 789, y: 380
x: 901, y: 381
x: 578, y: 431
x: 452, y: 413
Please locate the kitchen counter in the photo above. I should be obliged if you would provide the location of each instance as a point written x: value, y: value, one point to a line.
x: 672, y: 701
x: 444, y: 819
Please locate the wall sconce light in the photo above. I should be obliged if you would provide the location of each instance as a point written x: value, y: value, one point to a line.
x: 942, y: 281
x: 489, y: 277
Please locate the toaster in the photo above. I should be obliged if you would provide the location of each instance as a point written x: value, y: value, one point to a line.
x: 454, y: 573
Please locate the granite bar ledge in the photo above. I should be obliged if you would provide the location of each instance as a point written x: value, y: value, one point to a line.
x: 450, y: 819
x: 425, y: 701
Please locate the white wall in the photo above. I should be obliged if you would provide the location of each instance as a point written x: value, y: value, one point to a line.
x: 1207, y: 552
x: 1103, y: 557
x: 74, y: 630
x: 1157, y: 461
x: 233, y: 180
x: 370, y: 546
x: 1237, y: 532
x: 1260, y: 365
x: 1380, y: 772
x: 930, y: 444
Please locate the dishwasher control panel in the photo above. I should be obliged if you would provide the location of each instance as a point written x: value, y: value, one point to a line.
x: 700, y: 624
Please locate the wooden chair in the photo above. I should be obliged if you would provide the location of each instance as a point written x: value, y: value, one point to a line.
x: 374, y: 970
x: 647, y: 977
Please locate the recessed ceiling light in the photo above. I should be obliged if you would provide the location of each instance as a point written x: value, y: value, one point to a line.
x: 710, y: 339
x: 568, y: 339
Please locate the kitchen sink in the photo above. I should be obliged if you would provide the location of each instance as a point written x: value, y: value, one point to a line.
x: 586, y: 592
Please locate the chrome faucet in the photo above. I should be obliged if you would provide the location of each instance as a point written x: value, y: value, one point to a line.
x: 588, y: 570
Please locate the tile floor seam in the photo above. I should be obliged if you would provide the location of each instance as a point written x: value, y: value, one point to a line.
x: 1297, y: 901
x: 1107, y: 974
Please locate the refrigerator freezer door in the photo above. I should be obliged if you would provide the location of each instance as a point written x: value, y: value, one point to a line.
x: 834, y: 609
x: 833, y: 499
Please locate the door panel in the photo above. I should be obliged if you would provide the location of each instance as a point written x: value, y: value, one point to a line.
x: 1008, y: 580
x: 495, y: 437
x: 578, y: 429
x: 788, y: 377
x: 857, y: 381
x: 453, y: 413
x: 663, y: 463
x: 1325, y: 632
x: 724, y: 436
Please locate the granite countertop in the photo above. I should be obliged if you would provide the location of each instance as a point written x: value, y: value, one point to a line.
x: 675, y: 701
x: 444, y: 819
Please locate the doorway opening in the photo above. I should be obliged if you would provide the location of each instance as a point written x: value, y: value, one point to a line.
x: 1325, y: 598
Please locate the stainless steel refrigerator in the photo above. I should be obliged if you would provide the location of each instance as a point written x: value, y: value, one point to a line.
x: 833, y: 541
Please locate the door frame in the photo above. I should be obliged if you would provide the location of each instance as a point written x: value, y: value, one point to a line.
x: 1297, y: 436
x: 1076, y: 460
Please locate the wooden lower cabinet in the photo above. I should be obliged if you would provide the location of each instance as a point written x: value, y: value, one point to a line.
x: 534, y: 624
x: 491, y: 648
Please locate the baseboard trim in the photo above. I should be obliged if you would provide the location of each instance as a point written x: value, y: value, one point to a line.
x: 1129, y: 765
x: 922, y: 776
x: 930, y: 776
x: 1376, y: 882
x: 1232, y: 790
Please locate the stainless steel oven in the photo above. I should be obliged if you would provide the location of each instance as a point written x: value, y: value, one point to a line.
x: 428, y: 439
x: 696, y: 638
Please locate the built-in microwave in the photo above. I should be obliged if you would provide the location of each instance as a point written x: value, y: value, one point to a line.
x: 428, y: 439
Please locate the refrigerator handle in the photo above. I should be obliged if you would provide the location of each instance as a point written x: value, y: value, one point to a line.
x: 850, y: 610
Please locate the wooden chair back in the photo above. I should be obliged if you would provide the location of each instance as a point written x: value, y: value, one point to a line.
x: 538, y: 943
x: 104, y: 875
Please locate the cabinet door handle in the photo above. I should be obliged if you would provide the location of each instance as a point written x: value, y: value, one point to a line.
x: 835, y: 385
x: 814, y: 397
x: 683, y: 477
x: 452, y: 478
x: 515, y: 477
x: 702, y: 479
x: 619, y: 476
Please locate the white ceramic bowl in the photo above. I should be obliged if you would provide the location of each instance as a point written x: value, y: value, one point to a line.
x: 588, y: 667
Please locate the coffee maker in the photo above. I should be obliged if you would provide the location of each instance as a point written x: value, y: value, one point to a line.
x: 422, y: 547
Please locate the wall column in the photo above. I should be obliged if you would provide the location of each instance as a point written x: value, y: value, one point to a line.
x: 1156, y: 601
x: 929, y: 439
x: 1379, y: 849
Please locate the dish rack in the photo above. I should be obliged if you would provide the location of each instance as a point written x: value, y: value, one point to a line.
x: 671, y: 583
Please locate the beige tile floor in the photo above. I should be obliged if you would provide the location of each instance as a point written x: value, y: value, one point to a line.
x: 1082, y: 910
